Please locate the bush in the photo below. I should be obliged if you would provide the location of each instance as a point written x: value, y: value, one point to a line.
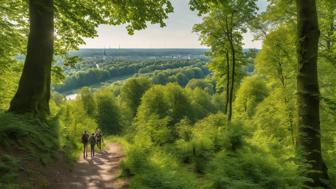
x: 108, y: 112
x: 133, y: 90
x: 152, y: 168
x: 251, y: 92
x: 28, y: 134
x: 202, y: 104
x: 251, y: 169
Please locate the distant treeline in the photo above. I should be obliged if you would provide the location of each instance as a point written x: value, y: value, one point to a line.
x: 180, y: 75
x: 162, y: 72
x: 138, y: 52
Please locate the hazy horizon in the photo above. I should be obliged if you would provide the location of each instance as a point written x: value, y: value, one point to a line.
x: 177, y: 34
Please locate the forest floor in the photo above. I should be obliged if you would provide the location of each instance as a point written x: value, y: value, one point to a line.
x: 101, y: 172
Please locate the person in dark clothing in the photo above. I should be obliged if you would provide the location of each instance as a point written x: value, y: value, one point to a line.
x: 85, y: 141
x: 99, y: 138
x: 92, y: 141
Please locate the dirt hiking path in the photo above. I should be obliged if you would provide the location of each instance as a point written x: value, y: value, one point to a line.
x: 101, y: 172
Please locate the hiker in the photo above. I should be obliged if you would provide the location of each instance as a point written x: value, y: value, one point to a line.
x: 99, y: 138
x: 92, y: 141
x: 85, y: 140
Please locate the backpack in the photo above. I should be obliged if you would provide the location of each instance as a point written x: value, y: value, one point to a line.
x: 92, y: 140
x: 85, y: 138
x: 98, y: 135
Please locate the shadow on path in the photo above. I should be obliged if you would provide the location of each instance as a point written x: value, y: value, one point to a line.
x: 98, y: 173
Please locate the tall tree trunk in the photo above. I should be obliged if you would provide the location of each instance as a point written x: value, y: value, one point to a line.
x: 309, y: 138
x: 229, y: 36
x: 233, y: 54
x: 33, y: 93
x: 227, y: 81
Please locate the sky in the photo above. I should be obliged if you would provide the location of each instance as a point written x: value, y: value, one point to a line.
x: 177, y: 34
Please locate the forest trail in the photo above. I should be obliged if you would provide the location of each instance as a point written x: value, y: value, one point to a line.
x: 98, y: 173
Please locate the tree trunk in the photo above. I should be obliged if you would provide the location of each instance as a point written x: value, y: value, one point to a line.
x: 229, y: 36
x: 233, y: 54
x: 33, y: 93
x: 309, y: 139
x: 227, y: 81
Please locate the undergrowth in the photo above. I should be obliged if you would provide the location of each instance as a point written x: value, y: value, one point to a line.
x: 26, y: 142
x: 207, y: 155
x: 24, y: 139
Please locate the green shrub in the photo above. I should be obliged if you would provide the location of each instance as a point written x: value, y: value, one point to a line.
x: 151, y: 168
x: 248, y: 168
x: 108, y: 113
x: 132, y: 91
x: 36, y: 138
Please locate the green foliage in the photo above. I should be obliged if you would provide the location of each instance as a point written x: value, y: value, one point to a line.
x: 222, y: 30
x: 88, y: 101
x: 8, y: 170
x: 278, y: 66
x: 72, y: 120
x: 168, y: 101
x: 23, y: 139
x: 72, y: 22
x: 327, y: 15
x: 251, y: 169
x: 252, y: 91
x: 162, y: 71
x: 212, y: 135
x: 155, y: 131
x: 201, y: 103
x: 25, y: 132
x: 153, y: 168
x: 13, y: 30
x: 163, y: 108
x: 8, y: 82
x: 179, y: 137
x: 180, y: 75
x: 160, y: 109
x: 271, y: 118
x: 179, y: 104
x: 202, y: 84
x: 75, y: 20
x: 153, y: 102
x: 108, y: 113
x: 224, y: 156
x: 133, y: 90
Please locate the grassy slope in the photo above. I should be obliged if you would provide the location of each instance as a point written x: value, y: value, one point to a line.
x: 30, y: 154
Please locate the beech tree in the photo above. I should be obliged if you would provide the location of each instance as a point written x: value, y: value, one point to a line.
x: 222, y: 30
x: 33, y: 93
x: 308, y: 94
